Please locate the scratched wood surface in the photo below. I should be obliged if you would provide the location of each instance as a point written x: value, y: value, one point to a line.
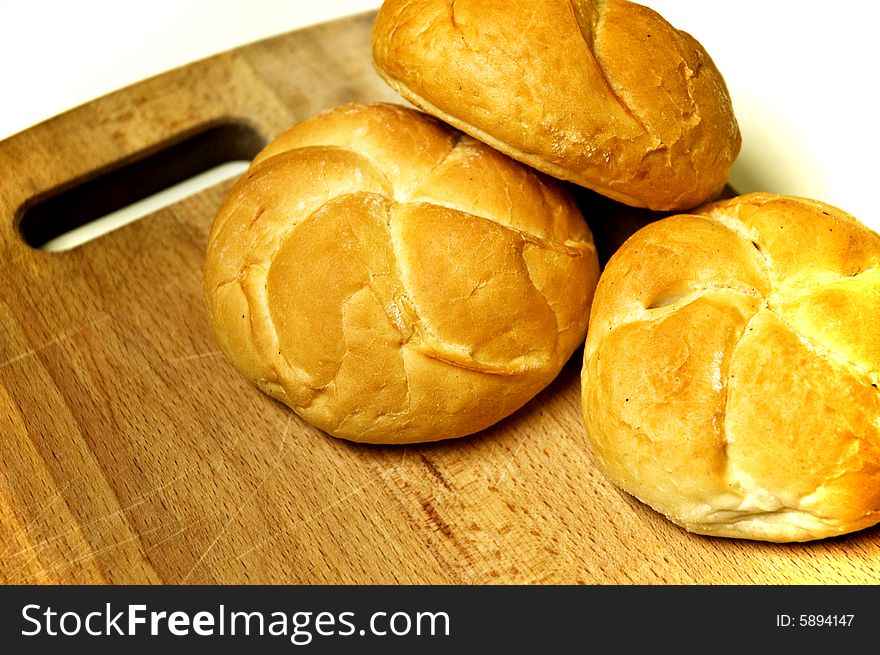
x: 130, y: 452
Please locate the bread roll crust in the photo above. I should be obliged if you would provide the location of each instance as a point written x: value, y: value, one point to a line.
x: 731, y: 369
x: 605, y: 94
x: 394, y: 281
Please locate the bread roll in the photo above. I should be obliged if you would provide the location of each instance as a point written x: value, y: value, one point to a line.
x: 394, y: 281
x: 731, y: 369
x: 607, y: 95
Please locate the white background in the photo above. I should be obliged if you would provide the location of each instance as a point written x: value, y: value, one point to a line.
x: 802, y: 74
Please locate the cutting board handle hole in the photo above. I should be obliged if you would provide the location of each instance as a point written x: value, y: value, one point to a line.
x: 85, y: 209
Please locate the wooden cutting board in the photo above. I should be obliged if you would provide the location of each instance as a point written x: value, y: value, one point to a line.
x: 130, y: 452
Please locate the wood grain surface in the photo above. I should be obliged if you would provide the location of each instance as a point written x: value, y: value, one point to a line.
x: 130, y: 452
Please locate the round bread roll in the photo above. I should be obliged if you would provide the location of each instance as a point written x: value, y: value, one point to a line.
x: 395, y: 281
x: 731, y: 369
x: 607, y: 95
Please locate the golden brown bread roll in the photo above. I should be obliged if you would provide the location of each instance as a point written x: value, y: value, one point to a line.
x: 731, y: 369
x: 605, y: 94
x: 394, y: 281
